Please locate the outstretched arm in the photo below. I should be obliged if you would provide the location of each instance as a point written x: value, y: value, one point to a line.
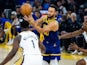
x: 52, y: 26
x: 74, y: 46
x: 72, y: 34
x: 13, y: 51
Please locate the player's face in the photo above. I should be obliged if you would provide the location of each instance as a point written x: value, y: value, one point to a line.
x: 13, y: 16
x: 51, y: 12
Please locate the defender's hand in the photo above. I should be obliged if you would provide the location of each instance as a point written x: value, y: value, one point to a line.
x: 73, y: 46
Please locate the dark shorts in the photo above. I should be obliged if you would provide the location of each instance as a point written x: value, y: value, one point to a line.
x: 50, y: 49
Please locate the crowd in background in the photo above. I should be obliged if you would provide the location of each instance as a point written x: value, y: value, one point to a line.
x: 70, y: 17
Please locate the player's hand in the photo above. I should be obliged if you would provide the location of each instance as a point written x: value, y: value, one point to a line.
x: 28, y: 18
x: 73, y: 46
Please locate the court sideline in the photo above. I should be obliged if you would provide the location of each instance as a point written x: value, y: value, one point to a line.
x: 66, y: 59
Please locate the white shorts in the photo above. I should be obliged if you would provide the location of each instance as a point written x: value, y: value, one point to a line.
x: 32, y: 60
x: 85, y: 60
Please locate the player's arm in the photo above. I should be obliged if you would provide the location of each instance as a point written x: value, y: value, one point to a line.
x: 72, y: 34
x: 74, y: 46
x: 82, y: 50
x: 42, y: 47
x: 13, y: 51
x: 52, y: 26
x: 40, y: 20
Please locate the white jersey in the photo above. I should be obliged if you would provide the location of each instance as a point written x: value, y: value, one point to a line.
x: 29, y: 43
x: 30, y: 46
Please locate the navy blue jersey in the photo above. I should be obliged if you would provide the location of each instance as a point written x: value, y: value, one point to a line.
x: 51, y: 42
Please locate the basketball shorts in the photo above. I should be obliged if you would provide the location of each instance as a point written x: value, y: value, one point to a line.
x: 32, y: 60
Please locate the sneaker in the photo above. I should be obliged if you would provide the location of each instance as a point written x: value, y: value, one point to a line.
x: 80, y: 53
x: 75, y: 52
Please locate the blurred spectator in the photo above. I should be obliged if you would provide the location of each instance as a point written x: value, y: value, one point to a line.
x: 37, y: 5
x: 62, y: 9
x: 5, y: 23
x: 19, y: 15
x: 12, y: 33
x: 72, y: 5
x: 69, y: 25
x: 73, y: 27
x: 54, y: 1
x: 70, y: 10
x: 80, y: 2
x: 59, y: 17
x: 7, y: 13
x: 46, y: 4
x: 20, y: 2
x: 64, y: 27
x: 36, y: 14
x: 30, y: 1
x: 6, y: 37
x: 80, y: 14
x: 10, y: 4
x: 15, y: 21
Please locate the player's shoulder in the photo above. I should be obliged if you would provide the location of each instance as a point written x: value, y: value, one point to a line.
x: 29, y: 33
x: 54, y: 22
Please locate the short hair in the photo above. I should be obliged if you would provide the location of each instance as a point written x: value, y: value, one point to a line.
x: 24, y: 24
x: 54, y: 6
x: 73, y: 14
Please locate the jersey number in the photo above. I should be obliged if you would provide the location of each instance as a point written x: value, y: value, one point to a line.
x: 33, y: 43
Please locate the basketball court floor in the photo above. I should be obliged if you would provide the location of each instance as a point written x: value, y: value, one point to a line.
x: 66, y: 59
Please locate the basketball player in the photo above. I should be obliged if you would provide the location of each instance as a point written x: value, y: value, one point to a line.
x: 28, y: 41
x: 49, y: 29
x: 74, y: 46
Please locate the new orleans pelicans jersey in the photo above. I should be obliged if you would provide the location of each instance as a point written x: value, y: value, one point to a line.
x: 31, y: 52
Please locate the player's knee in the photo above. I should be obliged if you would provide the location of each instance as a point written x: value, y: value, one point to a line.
x: 81, y: 62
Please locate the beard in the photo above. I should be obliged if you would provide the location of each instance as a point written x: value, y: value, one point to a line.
x: 50, y: 16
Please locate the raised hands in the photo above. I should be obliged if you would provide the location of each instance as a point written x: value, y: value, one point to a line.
x: 73, y: 46
x: 28, y: 18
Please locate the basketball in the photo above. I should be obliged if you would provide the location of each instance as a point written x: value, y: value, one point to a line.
x: 26, y: 9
